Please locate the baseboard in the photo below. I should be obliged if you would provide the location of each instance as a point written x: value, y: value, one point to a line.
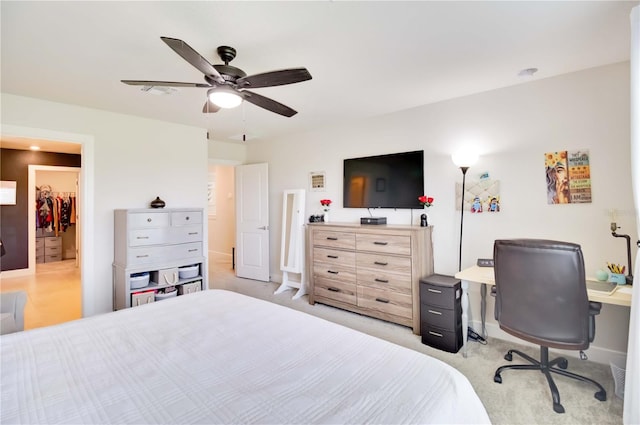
x: 595, y: 353
x: 16, y: 273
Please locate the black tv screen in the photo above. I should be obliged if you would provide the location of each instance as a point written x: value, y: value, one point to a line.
x: 384, y: 181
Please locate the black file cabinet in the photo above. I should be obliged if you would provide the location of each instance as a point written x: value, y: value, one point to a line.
x: 441, y: 312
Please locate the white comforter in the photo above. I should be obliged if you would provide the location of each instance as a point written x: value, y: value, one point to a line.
x: 220, y: 357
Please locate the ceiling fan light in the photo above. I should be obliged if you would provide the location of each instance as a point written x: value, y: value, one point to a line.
x: 225, y: 99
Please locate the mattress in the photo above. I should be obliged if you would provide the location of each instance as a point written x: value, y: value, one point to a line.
x: 220, y: 357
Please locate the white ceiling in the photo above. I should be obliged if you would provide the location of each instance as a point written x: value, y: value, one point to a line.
x: 366, y: 58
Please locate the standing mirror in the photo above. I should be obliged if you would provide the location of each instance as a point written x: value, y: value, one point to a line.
x: 292, y: 242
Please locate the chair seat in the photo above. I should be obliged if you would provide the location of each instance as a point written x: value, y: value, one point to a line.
x: 7, y: 324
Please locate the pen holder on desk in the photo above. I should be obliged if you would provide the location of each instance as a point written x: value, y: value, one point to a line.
x: 618, y: 278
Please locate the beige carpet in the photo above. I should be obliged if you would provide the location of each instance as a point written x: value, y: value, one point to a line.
x: 522, y: 398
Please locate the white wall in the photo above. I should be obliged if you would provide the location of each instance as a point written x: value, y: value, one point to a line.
x: 512, y: 128
x: 131, y: 161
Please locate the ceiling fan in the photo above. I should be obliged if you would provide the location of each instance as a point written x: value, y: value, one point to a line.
x: 227, y: 84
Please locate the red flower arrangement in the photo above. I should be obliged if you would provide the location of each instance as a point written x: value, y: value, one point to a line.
x: 426, y: 201
x: 326, y: 203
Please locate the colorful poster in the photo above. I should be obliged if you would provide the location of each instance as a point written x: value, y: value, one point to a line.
x: 568, y: 177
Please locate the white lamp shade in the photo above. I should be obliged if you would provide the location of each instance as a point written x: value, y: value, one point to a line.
x: 464, y: 158
x: 225, y: 99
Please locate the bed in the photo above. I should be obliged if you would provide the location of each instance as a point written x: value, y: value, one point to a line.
x: 221, y: 357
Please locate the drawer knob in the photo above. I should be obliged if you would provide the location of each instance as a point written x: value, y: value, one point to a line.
x: 142, y: 256
x: 193, y: 250
x: 142, y: 237
x: 193, y: 233
x: 435, y: 312
x: 380, y: 263
x: 149, y: 220
x: 381, y: 280
x: 382, y: 300
x: 435, y: 291
x: 332, y: 289
x: 380, y: 243
x: 435, y: 334
x: 332, y: 272
x: 186, y: 218
x: 332, y: 256
x: 331, y: 238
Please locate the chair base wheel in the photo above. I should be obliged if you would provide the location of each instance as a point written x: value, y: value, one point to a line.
x: 508, y: 357
x: 498, y: 379
x: 557, y: 407
x: 562, y: 364
x: 601, y: 395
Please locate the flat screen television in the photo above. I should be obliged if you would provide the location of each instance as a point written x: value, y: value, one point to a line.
x: 384, y: 181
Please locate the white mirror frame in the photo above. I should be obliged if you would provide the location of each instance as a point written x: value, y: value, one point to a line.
x: 292, y: 247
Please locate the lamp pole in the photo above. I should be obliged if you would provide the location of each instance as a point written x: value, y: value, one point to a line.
x: 464, y: 176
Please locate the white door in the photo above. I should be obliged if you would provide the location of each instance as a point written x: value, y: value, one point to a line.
x: 252, y: 221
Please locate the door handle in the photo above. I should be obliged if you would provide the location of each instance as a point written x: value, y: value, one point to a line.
x: 263, y: 227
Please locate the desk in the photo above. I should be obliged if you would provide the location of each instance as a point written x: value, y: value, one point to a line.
x: 485, y: 276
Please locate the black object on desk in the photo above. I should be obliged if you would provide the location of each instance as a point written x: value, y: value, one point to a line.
x: 441, y: 312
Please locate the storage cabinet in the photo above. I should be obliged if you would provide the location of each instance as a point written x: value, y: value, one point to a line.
x: 370, y: 269
x: 441, y: 312
x: 48, y: 249
x: 165, y: 243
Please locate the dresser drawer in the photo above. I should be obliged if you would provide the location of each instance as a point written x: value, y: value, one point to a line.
x: 335, y: 290
x: 440, y: 317
x: 39, y: 243
x: 333, y: 239
x: 388, y: 244
x: 153, y: 236
x: 185, y: 218
x: 55, y: 241
x: 385, y: 301
x: 384, y: 263
x: 334, y: 257
x: 52, y: 250
x: 343, y: 273
x: 440, y: 291
x: 148, y: 219
x: 184, y: 234
x: 398, y: 282
x: 447, y: 340
x: 153, y: 254
x: 50, y: 258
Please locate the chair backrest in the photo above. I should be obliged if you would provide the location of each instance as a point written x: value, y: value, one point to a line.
x: 541, y: 293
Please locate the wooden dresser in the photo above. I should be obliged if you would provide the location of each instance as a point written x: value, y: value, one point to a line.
x: 371, y: 270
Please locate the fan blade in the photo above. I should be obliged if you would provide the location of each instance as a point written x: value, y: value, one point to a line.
x: 266, y: 103
x: 210, y: 107
x: 274, y: 78
x: 194, y: 58
x: 164, y: 83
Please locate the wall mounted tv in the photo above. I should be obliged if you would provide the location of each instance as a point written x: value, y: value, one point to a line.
x: 384, y: 181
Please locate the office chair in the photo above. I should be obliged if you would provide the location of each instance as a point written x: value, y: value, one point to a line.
x: 541, y: 297
x: 12, y: 311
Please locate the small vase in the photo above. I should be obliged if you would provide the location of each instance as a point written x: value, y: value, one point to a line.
x: 326, y: 216
x: 157, y: 203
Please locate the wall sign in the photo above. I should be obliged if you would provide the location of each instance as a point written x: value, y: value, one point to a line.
x: 568, y: 177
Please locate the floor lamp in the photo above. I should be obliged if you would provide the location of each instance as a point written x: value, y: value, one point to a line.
x: 463, y: 160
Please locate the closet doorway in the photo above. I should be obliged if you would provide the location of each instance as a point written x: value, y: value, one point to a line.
x: 55, y: 293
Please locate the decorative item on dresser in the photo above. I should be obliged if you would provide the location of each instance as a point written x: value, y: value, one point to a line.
x: 165, y: 244
x: 371, y: 270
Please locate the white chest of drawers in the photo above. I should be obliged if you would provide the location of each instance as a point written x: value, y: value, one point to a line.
x: 153, y: 240
x: 371, y: 270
